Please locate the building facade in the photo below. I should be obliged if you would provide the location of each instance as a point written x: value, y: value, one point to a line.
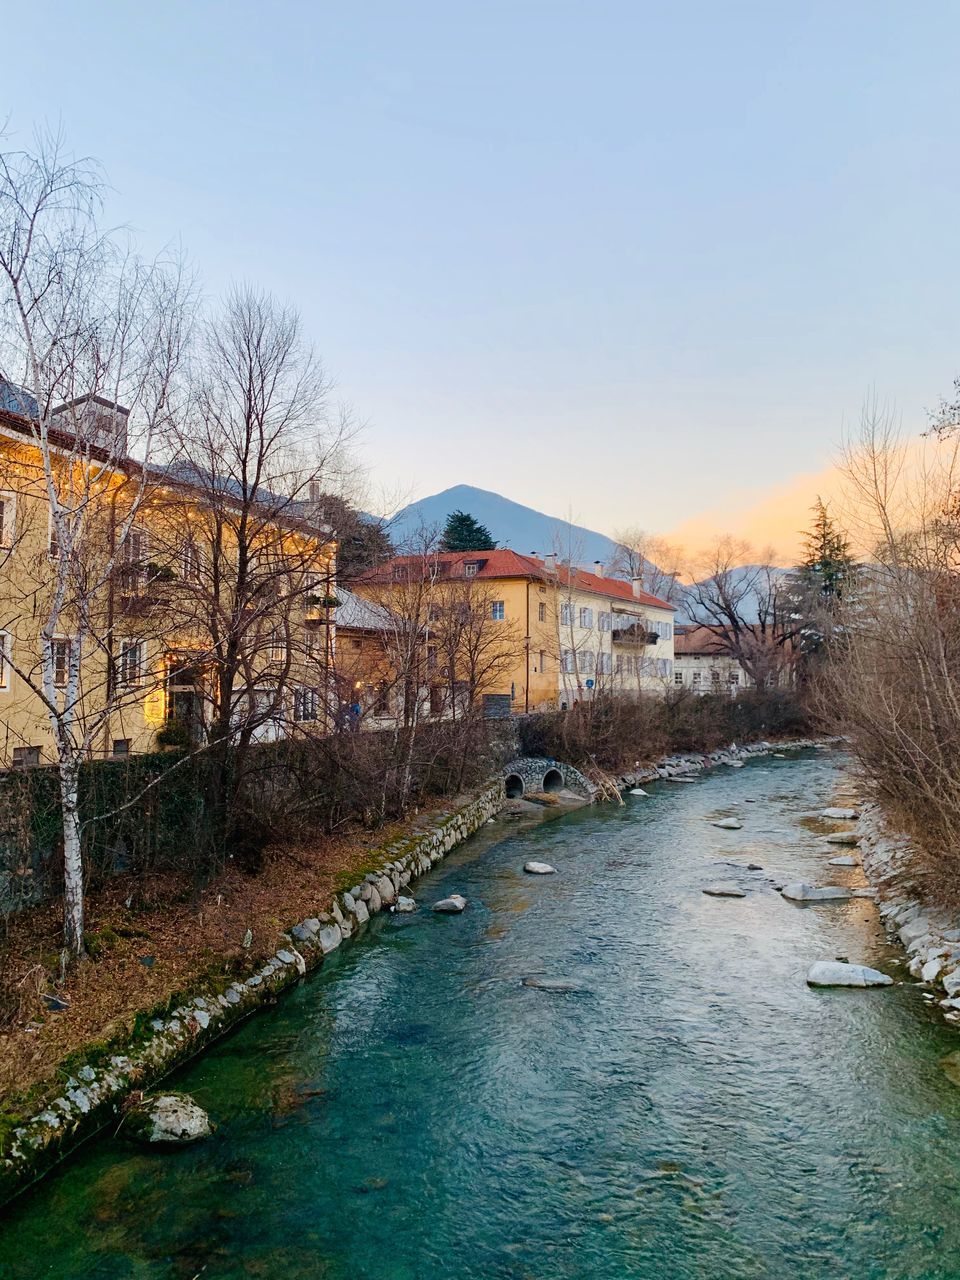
x: 137, y: 596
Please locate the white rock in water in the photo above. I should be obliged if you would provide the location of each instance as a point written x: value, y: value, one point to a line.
x: 405, y: 905
x: 729, y: 824
x: 676, y: 779
x: 835, y: 973
x: 735, y: 764
x: 800, y: 892
x: 450, y: 906
x: 844, y: 861
x: 931, y: 970
x: 724, y: 891
x: 539, y: 869
x: 637, y: 791
x: 170, y: 1119
x: 841, y: 815
x: 843, y: 837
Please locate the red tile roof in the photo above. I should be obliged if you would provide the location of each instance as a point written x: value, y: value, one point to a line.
x: 504, y: 563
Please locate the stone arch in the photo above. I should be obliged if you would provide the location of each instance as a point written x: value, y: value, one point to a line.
x: 513, y: 785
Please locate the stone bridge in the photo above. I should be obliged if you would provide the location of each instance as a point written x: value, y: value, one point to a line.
x: 532, y: 774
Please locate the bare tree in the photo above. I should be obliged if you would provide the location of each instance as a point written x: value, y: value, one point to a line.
x: 245, y: 530
x: 740, y: 597
x: 91, y: 345
x: 657, y: 562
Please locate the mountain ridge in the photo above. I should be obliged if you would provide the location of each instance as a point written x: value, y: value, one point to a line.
x: 511, y: 524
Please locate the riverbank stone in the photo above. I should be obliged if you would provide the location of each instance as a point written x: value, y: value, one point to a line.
x: 450, y: 906
x: 724, y: 891
x: 557, y: 985
x: 843, y: 837
x: 840, y: 815
x: 405, y: 905
x: 800, y: 892
x: 728, y: 824
x: 844, y: 861
x: 168, y: 1119
x: 539, y: 869
x: 837, y: 973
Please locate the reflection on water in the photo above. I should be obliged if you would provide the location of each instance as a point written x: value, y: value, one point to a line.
x: 691, y: 1109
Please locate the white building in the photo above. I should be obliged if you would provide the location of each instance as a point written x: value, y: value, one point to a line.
x: 613, y: 636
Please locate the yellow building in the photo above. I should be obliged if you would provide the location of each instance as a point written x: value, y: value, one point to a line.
x: 554, y: 634
x: 484, y: 624
x: 139, y: 576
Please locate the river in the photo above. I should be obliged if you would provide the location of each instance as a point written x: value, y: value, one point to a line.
x: 694, y: 1110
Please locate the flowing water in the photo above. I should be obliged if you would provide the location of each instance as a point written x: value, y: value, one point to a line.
x: 694, y: 1110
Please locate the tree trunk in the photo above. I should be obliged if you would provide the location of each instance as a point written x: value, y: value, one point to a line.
x: 72, y: 860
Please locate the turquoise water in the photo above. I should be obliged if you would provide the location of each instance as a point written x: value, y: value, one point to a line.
x: 414, y: 1112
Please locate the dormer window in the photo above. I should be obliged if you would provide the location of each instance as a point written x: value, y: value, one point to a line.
x: 471, y: 568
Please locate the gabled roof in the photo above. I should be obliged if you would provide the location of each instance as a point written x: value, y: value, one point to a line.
x: 451, y: 565
x: 582, y: 580
x: 504, y: 563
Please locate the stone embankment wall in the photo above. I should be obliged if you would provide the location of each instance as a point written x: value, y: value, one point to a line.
x: 684, y: 765
x: 93, y: 1095
x: 931, y: 936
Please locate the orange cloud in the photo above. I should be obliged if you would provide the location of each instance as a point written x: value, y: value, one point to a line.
x: 775, y: 518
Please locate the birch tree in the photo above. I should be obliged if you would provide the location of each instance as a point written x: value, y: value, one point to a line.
x: 91, y: 344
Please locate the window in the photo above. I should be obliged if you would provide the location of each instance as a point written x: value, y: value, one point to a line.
x: 7, y: 509
x: 313, y: 640
x: 664, y: 668
x: 434, y: 614
x: 277, y: 646
x: 432, y: 657
x: 604, y: 664
x: 566, y: 615
x: 586, y: 662
x: 734, y: 677
x: 306, y: 703
x: 543, y: 660
x: 132, y: 555
x: 586, y: 619
x: 471, y: 568
x: 5, y: 646
x: 567, y: 661
x: 190, y: 561
x: 715, y: 678
x: 62, y: 650
x: 130, y: 662
x: 26, y: 757
x: 497, y: 612
x: 121, y: 748
x: 541, y: 612
x: 696, y: 679
x: 605, y: 621
x: 678, y: 677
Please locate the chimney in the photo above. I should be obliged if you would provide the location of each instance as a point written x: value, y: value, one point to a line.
x: 550, y: 562
x: 95, y: 423
x: 637, y: 584
x: 598, y: 568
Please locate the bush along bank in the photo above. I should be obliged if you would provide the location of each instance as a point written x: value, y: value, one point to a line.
x: 98, y: 1082
x: 930, y: 935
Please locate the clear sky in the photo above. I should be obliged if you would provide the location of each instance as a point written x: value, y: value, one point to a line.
x: 633, y: 261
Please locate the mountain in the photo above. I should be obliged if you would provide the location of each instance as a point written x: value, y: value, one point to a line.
x: 511, y: 523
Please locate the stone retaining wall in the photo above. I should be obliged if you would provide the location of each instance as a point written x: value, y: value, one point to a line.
x: 930, y: 936
x: 92, y: 1097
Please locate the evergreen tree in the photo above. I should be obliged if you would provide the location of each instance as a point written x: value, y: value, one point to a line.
x: 828, y: 565
x: 821, y: 581
x: 463, y: 533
